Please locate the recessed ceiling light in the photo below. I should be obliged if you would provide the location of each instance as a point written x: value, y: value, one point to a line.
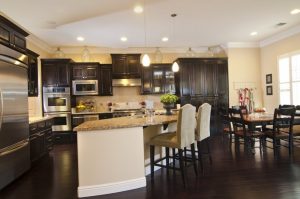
x: 123, y: 39
x: 295, y: 11
x: 253, y: 33
x: 80, y: 38
x: 165, y: 39
x: 138, y: 9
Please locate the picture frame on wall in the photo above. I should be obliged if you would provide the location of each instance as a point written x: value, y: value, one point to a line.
x: 269, y: 78
x: 269, y: 90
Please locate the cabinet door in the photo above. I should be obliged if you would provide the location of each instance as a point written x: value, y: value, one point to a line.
x: 77, y: 72
x: 186, y: 69
x: 211, y: 86
x: 49, y: 75
x: 198, y: 79
x: 63, y: 74
x: 106, y: 80
x: 133, y: 65
x: 147, y: 80
x: 91, y: 72
x: 169, y: 81
x: 32, y: 76
x: 119, y: 63
x: 4, y: 34
x: 158, y: 80
x: 34, y: 147
x: 18, y: 41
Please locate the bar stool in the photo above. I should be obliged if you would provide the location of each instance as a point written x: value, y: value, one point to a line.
x: 183, y: 137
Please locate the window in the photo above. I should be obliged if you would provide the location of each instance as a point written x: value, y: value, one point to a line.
x: 289, y: 79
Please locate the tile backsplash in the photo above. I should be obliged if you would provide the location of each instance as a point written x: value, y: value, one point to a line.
x: 122, y: 95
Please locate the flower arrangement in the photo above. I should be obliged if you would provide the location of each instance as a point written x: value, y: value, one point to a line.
x: 168, y: 99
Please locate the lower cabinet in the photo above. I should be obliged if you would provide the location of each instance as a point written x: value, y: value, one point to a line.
x: 41, y: 139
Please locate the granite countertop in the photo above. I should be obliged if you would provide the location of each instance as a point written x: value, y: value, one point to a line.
x: 39, y: 119
x: 125, y: 122
x: 89, y: 113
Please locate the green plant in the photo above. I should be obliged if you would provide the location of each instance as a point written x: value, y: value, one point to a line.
x: 168, y: 98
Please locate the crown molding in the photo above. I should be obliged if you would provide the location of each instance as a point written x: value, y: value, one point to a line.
x: 40, y: 43
x: 280, y: 36
x: 242, y: 45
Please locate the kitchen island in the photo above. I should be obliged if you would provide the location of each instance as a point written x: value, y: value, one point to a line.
x: 113, y: 154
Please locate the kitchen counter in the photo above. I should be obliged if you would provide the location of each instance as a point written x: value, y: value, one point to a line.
x: 113, y: 154
x: 125, y: 122
x: 39, y: 119
x: 90, y: 113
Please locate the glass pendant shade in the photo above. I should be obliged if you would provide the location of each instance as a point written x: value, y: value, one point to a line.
x: 59, y: 53
x: 85, y: 57
x: 190, y: 53
x: 158, y: 56
x: 175, y: 67
x: 146, y: 60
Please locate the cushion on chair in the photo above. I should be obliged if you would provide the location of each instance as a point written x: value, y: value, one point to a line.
x: 280, y: 134
x: 165, y: 140
x: 203, y: 122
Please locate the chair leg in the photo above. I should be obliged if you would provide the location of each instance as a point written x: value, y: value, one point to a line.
x: 200, y: 155
x: 274, y: 146
x: 180, y: 151
x: 185, y: 157
x: 208, y: 150
x: 291, y: 145
x: 194, y: 158
x: 167, y: 159
x: 152, y: 161
x: 174, y: 154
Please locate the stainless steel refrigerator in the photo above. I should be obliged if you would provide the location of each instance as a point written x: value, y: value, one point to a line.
x: 14, y: 131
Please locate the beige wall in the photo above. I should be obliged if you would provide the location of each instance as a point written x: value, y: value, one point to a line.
x: 35, y: 103
x: 269, y: 55
x: 244, y: 71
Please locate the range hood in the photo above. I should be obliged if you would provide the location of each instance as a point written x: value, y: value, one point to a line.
x: 126, y: 82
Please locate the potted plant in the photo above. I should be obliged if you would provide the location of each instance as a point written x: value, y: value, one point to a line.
x: 168, y: 100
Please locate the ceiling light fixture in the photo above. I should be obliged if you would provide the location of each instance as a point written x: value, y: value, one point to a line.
x: 175, y: 66
x: 85, y: 57
x: 80, y: 38
x: 253, y: 33
x: 138, y: 9
x: 190, y: 52
x: 59, y: 53
x: 295, y: 11
x: 165, y: 39
x: 123, y: 39
x: 145, y: 58
x: 158, y: 56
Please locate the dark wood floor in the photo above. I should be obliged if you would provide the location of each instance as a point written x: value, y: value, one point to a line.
x: 233, y: 174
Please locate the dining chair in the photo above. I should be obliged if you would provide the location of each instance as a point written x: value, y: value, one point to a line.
x: 227, y: 127
x: 202, y: 133
x: 241, y: 131
x: 283, y: 120
x: 183, y: 137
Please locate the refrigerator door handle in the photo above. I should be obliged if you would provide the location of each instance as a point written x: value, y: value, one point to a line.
x: 14, y: 149
x: 1, y: 113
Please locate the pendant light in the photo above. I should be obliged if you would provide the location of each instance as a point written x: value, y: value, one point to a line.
x: 85, y: 56
x: 158, y: 56
x: 145, y: 58
x: 175, y: 66
x: 59, y: 53
x: 190, y: 53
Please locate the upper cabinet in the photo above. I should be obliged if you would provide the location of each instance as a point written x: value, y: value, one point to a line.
x: 157, y: 79
x: 85, y: 70
x: 56, y: 72
x: 106, y: 80
x: 32, y: 73
x: 126, y: 66
x: 11, y: 35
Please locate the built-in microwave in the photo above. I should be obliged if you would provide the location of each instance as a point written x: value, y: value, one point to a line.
x: 85, y: 87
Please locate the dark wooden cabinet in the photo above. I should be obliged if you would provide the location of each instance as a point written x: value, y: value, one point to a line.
x: 11, y: 35
x: 126, y: 66
x: 106, y: 88
x: 203, y: 80
x: 56, y: 72
x: 85, y: 70
x: 158, y: 79
x: 41, y: 139
x: 32, y: 73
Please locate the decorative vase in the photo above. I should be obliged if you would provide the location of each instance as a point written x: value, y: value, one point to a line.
x: 168, y: 107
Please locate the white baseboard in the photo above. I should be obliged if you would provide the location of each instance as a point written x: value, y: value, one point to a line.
x: 86, y: 191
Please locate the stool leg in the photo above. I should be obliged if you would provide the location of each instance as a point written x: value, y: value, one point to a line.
x: 180, y: 151
x: 185, y: 157
x: 167, y: 159
x: 208, y: 150
x: 200, y: 155
x: 174, y: 154
x: 194, y: 158
x: 152, y: 161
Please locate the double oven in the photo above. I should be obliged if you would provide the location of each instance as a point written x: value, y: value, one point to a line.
x: 57, y: 103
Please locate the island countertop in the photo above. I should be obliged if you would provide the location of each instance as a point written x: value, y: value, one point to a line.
x: 125, y: 122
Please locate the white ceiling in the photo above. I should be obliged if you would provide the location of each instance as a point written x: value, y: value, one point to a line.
x: 199, y: 22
